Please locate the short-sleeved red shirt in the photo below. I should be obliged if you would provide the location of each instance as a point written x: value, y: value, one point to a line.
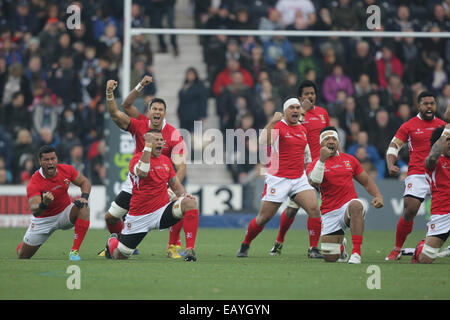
x: 439, y: 180
x: 337, y: 186
x: 417, y: 132
x: 58, y: 186
x: 315, y: 120
x: 150, y: 193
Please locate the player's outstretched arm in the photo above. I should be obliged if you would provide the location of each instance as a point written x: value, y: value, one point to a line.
x: 119, y: 117
x: 179, y: 160
x: 127, y: 104
x: 392, y: 156
x: 367, y: 182
x: 437, y: 149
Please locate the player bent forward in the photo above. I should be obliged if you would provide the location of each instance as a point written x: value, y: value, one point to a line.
x: 150, y: 207
x: 333, y: 173
x: 438, y: 176
x: 51, y: 205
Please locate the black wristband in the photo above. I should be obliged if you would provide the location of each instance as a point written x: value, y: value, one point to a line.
x: 43, y: 206
x: 85, y: 196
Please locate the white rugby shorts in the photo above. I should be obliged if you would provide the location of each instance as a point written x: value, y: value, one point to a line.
x: 277, y: 189
x: 333, y: 221
x: 438, y: 224
x: 41, y: 228
x: 416, y: 185
x: 143, y: 223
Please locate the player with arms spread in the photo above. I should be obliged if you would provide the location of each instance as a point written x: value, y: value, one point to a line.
x: 315, y: 119
x: 333, y: 174
x: 416, y: 132
x: 438, y: 176
x: 150, y: 207
x: 51, y: 206
x: 286, y: 173
x: 138, y: 124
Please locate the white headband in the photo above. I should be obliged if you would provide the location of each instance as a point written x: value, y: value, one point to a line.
x: 289, y: 102
x: 333, y: 134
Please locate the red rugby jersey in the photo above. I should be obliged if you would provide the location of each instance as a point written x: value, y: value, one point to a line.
x: 58, y: 186
x: 150, y: 193
x: 417, y: 132
x: 172, y: 137
x: 315, y: 120
x: 337, y: 186
x: 439, y: 180
x: 288, y: 150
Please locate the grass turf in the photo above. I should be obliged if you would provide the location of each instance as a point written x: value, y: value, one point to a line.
x: 218, y: 274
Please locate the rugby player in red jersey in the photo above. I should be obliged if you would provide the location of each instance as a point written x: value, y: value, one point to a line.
x: 286, y: 173
x: 438, y: 176
x: 315, y: 119
x: 51, y: 205
x: 416, y: 132
x: 333, y: 173
x: 150, y: 206
x: 138, y: 124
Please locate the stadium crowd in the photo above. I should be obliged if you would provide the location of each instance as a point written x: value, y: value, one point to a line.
x: 52, y: 79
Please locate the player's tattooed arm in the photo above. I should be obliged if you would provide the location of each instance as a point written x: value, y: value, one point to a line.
x: 38, y: 205
x: 435, y: 153
x: 176, y: 186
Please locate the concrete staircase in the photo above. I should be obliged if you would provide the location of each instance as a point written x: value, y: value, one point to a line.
x: 169, y: 72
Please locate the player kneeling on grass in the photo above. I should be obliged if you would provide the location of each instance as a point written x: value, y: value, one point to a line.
x: 51, y: 205
x: 150, y: 207
x: 333, y: 174
x: 438, y: 176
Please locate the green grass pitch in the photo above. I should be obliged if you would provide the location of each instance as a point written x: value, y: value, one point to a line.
x: 218, y: 274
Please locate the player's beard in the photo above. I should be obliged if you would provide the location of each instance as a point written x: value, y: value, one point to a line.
x: 427, y: 116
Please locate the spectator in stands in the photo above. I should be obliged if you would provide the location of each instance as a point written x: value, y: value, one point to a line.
x: 9, y: 176
x: 273, y: 21
x: 256, y: 63
x: 268, y: 91
x: 23, y: 148
x: 228, y: 104
x: 301, y: 22
x: 192, y: 100
x: 440, y: 17
x: 345, y: 16
x: 64, y: 81
x: 349, y: 114
x: 382, y: 131
x: 101, y: 20
x: 3, y: 177
x: 402, y: 115
x: 366, y: 163
x: 335, y: 82
x: 443, y: 100
x: 388, y: 64
x: 109, y: 36
x: 362, y: 62
x: 17, y: 115
x: 24, y: 21
x: 402, y: 21
x: 224, y: 78
x: 214, y: 56
x: 278, y: 47
x: 98, y: 170
x: 289, y: 85
x: 220, y: 18
x: 395, y: 93
x: 48, y: 39
x: 372, y: 152
x: 363, y: 89
x: 289, y: 8
x: 324, y: 21
x: 14, y: 81
x: 77, y: 159
x: 6, y: 148
x: 45, y: 114
x: 307, y: 60
x: 439, y: 77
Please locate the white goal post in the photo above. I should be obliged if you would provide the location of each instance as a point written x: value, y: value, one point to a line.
x: 129, y: 32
